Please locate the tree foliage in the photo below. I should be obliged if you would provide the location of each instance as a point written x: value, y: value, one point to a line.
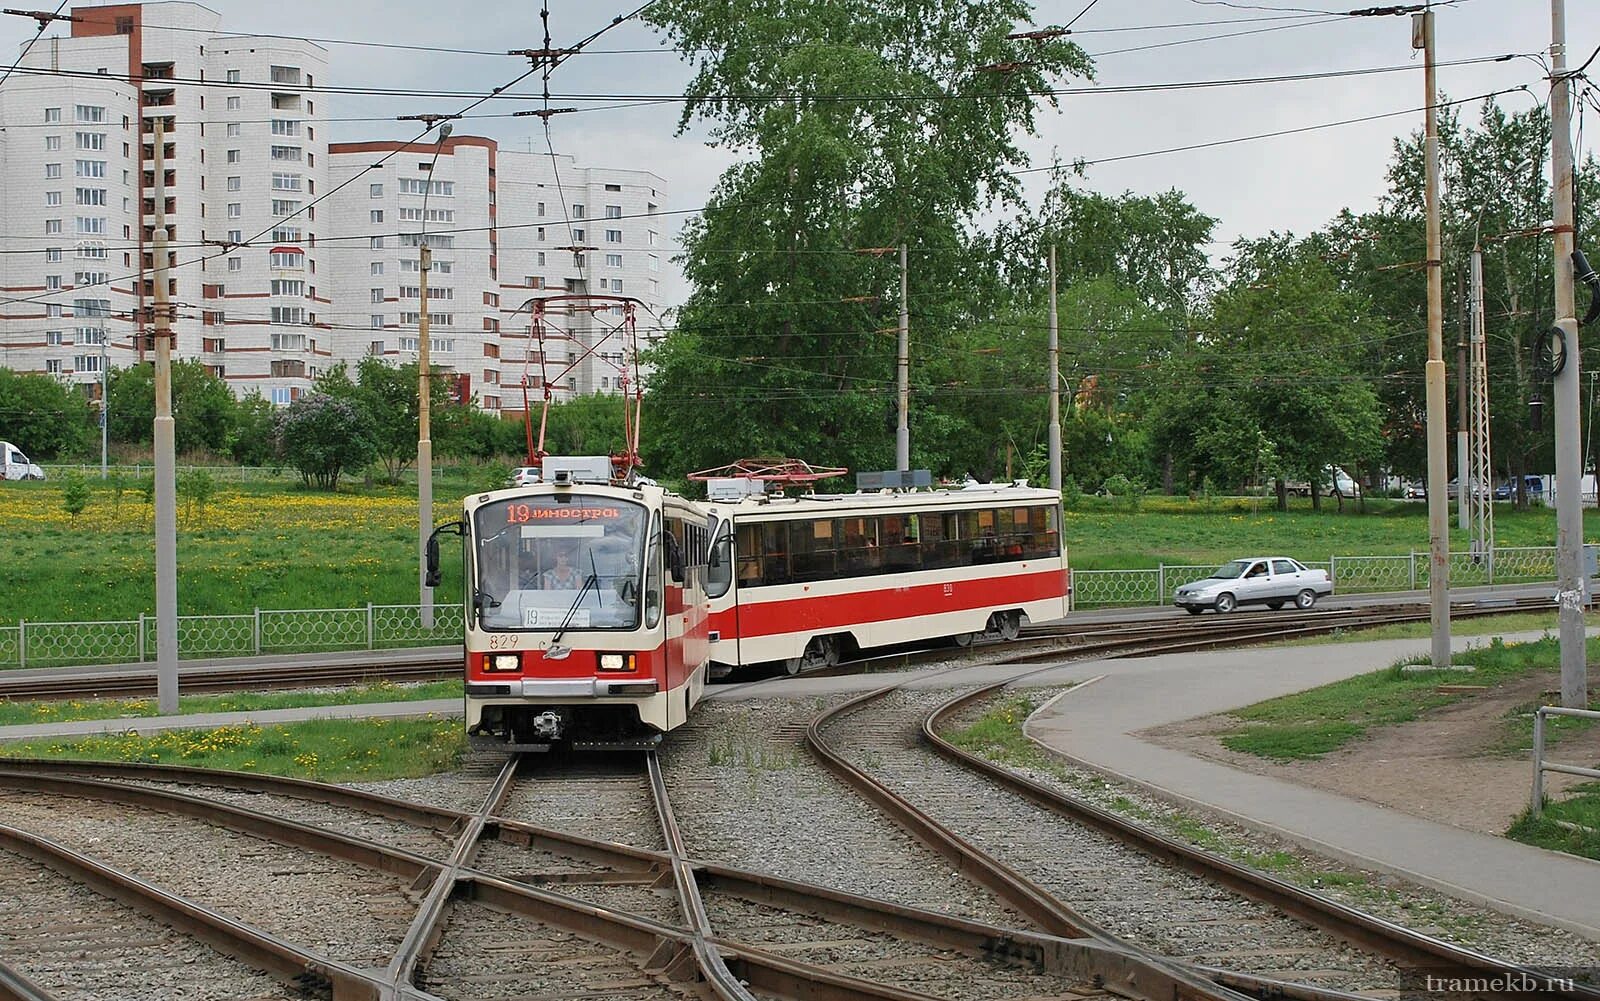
x: 44, y: 416
x: 322, y: 436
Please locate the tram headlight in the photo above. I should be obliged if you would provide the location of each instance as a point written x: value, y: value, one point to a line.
x: 505, y: 662
x: 616, y: 662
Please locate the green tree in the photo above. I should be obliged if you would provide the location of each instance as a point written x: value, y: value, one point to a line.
x: 74, y: 494
x: 203, y: 407
x: 44, y: 416
x: 861, y: 124
x: 251, y: 441
x: 323, y: 436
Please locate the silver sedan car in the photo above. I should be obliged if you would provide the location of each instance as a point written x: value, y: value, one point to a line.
x: 1273, y: 581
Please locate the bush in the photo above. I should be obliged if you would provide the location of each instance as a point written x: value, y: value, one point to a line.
x: 322, y: 436
x: 74, y: 494
x: 1071, y: 493
x: 196, y: 487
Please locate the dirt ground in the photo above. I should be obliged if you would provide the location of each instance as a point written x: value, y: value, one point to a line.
x: 1446, y: 766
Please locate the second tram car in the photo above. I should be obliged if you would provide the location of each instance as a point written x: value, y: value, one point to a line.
x: 805, y: 581
x: 585, y: 609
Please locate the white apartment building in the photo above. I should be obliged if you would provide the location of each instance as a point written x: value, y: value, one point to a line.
x: 268, y: 288
x: 241, y: 152
x: 500, y: 239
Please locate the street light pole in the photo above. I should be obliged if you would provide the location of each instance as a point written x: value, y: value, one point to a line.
x: 105, y: 402
x: 1438, y: 500
x: 902, y: 433
x: 1053, y: 378
x: 424, y: 401
x: 166, y: 526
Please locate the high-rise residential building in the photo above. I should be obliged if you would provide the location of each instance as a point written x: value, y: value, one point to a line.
x: 505, y: 229
x: 239, y: 160
x: 270, y: 285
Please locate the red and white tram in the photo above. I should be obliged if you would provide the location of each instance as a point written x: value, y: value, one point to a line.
x: 585, y: 608
x: 804, y: 581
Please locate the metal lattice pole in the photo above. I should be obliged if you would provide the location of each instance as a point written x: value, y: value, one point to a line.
x: 1482, y: 470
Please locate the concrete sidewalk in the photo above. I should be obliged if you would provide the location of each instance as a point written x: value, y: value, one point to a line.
x: 210, y: 721
x: 1095, y: 726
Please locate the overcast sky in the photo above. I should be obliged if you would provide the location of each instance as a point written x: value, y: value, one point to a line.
x: 1292, y: 182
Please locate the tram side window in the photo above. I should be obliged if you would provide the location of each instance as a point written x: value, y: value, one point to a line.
x: 747, y: 547
x: 940, y: 541
x: 720, y: 577
x: 858, y: 546
x: 1045, y: 536
x: 677, y: 551
x: 978, y: 535
x: 812, y: 550
x: 775, y: 553
x: 899, y: 535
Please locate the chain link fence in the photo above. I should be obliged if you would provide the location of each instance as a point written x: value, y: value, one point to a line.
x: 389, y: 627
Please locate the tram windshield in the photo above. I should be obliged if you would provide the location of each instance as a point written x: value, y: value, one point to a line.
x: 552, y: 561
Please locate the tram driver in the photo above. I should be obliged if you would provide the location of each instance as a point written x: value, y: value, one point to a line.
x: 563, y: 576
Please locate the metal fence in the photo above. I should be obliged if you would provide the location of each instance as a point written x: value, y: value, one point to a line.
x: 386, y: 627
x: 1351, y: 575
x: 261, y: 631
x: 1540, y: 765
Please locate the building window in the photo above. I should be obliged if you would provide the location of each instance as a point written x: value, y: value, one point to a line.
x: 90, y: 140
x: 90, y: 196
x: 52, y: 198
x: 377, y: 324
x: 613, y: 211
x: 52, y: 170
x: 613, y: 260
x: 281, y: 397
x: 233, y: 130
x: 52, y: 283
x: 52, y: 310
x: 235, y: 210
x: 52, y: 115
x: 235, y: 236
x: 377, y: 267
x: 288, y: 153
x: 235, y: 183
x: 52, y: 338
x: 577, y: 211
x: 377, y: 295
x: 89, y: 113
x: 655, y: 263
x: 375, y: 190
x: 52, y: 255
x: 285, y: 127
x: 234, y: 104
x: 423, y: 186
x: 286, y: 234
x: 284, y: 207
x: 233, y: 76
x: 291, y: 259
x: 288, y: 286
x: 91, y: 226
x: 52, y: 143
x: 613, y: 187
x: 376, y: 215
x: 613, y: 236
x: 376, y: 242
x: 52, y: 226
x: 86, y: 363
x: 288, y: 314
x: 616, y: 284
x: 89, y: 168
x: 233, y: 156
x: 52, y: 366
x: 285, y: 182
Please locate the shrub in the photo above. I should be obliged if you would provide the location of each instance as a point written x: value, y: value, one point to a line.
x: 74, y: 494
x: 1071, y: 493
x: 196, y: 487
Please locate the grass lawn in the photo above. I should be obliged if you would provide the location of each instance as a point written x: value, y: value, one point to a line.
x: 1312, y: 723
x: 330, y: 750
x: 275, y: 544
x: 59, y: 711
x: 1521, y: 622
x: 1579, y: 806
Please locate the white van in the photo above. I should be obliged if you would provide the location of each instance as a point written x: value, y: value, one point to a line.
x: 16, y: 466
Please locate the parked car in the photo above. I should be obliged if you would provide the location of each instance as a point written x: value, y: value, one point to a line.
x: 1273, y: 581
x: 16, y: 466
x: 1334, y: 481
x: 1532, y: 483
x: 1416, y: 491
x: 523, y: 476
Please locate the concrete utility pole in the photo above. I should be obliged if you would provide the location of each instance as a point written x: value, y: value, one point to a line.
x: 1569, y: 458
x: 425, y: 402
x: 105, y: 401
x: 1054, y: 380
x: 1438, y: 473
x: 1463, y: 422
x: 166, y: 458
x: 902, y: 432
